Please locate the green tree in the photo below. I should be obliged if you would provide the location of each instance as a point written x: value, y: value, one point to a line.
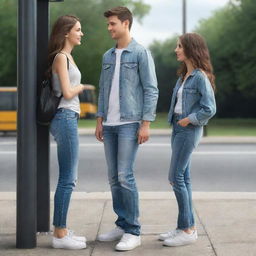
x: 95, y: 42
x: 8, y: 52
x: 166, y: 67
x: 230, y: 35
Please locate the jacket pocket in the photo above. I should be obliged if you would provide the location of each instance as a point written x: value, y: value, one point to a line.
x: 190, y: 90
x: 130, y: 71
x: 106, y: 66
x: 131, y: 65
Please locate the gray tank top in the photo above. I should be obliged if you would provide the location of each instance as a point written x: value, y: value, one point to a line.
x: 75, y: 80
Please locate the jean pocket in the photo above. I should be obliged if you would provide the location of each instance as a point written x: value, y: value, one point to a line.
x: 71, y: 115
x: 54, y: 127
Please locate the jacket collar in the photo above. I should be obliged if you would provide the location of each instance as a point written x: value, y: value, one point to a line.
x: 194, y: 71
x: 129, y: 48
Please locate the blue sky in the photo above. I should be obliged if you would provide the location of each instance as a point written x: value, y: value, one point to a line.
x: 165, y: 20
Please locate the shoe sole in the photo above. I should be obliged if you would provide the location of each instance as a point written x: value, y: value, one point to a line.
x: 162, y: 239
x: 179, y: 244
x: 109, y: 240
x: 64, y: 248
x: 127, y: 249
x: 80, y: 240
x: 61, y: 247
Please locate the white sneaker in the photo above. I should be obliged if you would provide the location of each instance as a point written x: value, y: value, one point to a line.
x: 67, y: 242
x: 128, y: 242
x: 167, y: 235
x: 78, y: 238
x: 181, y: 238
x: 113, y: 235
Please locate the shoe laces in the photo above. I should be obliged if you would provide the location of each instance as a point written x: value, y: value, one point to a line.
x: 173, y: 233
x: 125, y: 238
x: 70, y: 233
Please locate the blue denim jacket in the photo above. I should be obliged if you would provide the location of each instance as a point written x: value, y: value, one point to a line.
x: 138, y: 84
x: 198, y: 101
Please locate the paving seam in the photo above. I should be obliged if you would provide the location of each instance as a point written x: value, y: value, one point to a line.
x: 103, y: 210
x: 201, y: 222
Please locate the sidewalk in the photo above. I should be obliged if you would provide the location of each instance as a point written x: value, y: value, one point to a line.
x: 226, y: 225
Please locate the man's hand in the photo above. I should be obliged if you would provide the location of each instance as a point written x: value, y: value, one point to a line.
x: 99, y: 129
x: 184, y: 122
x: 143, y: 134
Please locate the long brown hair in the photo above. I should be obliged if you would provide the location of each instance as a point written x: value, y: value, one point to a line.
x: 57, y: 38
x: 195, y: 49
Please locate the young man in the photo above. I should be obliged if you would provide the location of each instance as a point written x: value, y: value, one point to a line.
x: 127, y: 103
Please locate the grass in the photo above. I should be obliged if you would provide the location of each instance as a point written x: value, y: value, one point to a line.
x: 232, y: 127
x: 216, y: 126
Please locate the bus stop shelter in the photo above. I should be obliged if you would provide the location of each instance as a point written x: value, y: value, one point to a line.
x: 33, y: 186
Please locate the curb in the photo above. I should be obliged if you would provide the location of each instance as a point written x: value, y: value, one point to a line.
x: 149, y: 195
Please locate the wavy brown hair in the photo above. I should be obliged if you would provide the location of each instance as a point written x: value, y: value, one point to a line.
x: 57, y: 38
x: 195, y: 49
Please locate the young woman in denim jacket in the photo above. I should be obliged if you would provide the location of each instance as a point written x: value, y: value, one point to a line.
x: 192, y: 105
x: 66, y: 80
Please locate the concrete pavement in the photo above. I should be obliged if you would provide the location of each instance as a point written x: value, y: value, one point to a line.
x: 226, y: 225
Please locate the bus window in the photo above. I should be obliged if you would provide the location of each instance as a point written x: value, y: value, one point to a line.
x: 88, y: 103
x: 8, y: 108
x: 8, y: 101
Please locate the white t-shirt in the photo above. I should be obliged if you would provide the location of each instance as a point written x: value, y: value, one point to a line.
x: 113, y: 116
x: 178, y: 106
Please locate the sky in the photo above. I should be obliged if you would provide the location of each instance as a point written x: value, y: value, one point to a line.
x: 165, y: 18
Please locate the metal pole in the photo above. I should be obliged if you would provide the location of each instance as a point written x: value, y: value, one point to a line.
x: 26, y: 132
x: 43, y: 152
x: 184, y: 16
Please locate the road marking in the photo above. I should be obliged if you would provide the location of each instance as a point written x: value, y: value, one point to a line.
x: 224, y: 153
x: 201, y: 153
x: 89, y: 145
x: 8, y: 143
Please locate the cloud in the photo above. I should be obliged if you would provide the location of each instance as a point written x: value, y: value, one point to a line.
x: 165, y: 18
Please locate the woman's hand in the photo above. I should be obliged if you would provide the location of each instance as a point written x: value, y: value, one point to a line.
x: 184, y: 122
x: 88, y: 87
x: 99, y: 129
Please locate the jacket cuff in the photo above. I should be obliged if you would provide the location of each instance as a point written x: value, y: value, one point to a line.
x: 193, y: 119
x: 149, y: 117
x: 99, y: 114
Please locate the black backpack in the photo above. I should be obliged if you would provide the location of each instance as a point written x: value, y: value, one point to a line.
x: 48, y: 102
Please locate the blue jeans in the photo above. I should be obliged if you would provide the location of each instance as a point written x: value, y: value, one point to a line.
x: 64, y: 129
x: 120, y: 143
x: 184, y: 140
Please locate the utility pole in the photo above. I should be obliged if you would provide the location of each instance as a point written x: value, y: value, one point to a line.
x: 26, y: 132
x: 184, y: 16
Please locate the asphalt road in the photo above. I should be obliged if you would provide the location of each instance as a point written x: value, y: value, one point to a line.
x: 215, y: 167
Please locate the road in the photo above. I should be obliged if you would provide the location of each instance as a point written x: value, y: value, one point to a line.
x: 215, y: 167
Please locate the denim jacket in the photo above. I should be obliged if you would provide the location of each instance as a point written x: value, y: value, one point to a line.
x: 198, y: 101
x: 138, y: 90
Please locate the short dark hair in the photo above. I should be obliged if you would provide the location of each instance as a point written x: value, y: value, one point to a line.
x: 122, y: 13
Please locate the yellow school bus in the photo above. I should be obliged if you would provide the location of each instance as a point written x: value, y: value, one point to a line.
x: 88, y: 102
x: 8, y: 106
